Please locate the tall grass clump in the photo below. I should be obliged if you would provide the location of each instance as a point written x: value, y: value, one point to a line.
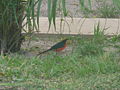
x: 108, y: 9
x: 15, y: 15
x: 93, y: 45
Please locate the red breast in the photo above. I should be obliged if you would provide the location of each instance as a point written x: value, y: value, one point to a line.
x: 60, y: 49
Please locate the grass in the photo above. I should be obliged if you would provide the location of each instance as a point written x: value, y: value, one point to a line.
x: 108, y: 11
x: 56, y: 72
x: 87, y: 67
x: 104, y: 9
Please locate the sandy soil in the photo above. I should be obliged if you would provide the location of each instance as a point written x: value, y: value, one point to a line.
x: 33, y: 47
x: 39, y: 44
x: 73, y: 7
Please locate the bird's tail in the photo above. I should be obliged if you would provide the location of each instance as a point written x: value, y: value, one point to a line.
x: 43, y: 52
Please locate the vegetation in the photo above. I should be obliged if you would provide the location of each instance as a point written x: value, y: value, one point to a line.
x: 91, y: 69
x: 12, y: 15
x: 56, y: 72
x: 104, y: 9
x: 14, y: 12
x: 10, y: 25
x: 88, y: 66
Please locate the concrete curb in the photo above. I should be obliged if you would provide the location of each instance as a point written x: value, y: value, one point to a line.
x: 83, y: 26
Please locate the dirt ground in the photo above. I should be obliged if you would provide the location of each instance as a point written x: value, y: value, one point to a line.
x: 40, y: 44
x: 73, y: 7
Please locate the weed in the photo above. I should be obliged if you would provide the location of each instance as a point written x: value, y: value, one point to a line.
x: 108, y: 11
x: 94, y: 45
x: 88, y: 67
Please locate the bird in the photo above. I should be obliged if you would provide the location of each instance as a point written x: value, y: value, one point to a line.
x: 57, y: 47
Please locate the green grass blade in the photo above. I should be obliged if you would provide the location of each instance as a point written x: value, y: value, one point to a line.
x: 28, y: 16
x: 16, y: 18
x: 33, y: 14
x: 54, y: 6
x: 49, y: 12
x: 89, y: 3
x: 38, y: 11
x: 64, y: 7
x: 81, y: 2
x: 117, y: 3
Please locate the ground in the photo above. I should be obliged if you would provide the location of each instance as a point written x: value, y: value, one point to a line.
x: 88, y: 63
x: 100, y: 8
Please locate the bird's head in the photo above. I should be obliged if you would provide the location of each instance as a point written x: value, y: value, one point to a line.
x: 67, y: 41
